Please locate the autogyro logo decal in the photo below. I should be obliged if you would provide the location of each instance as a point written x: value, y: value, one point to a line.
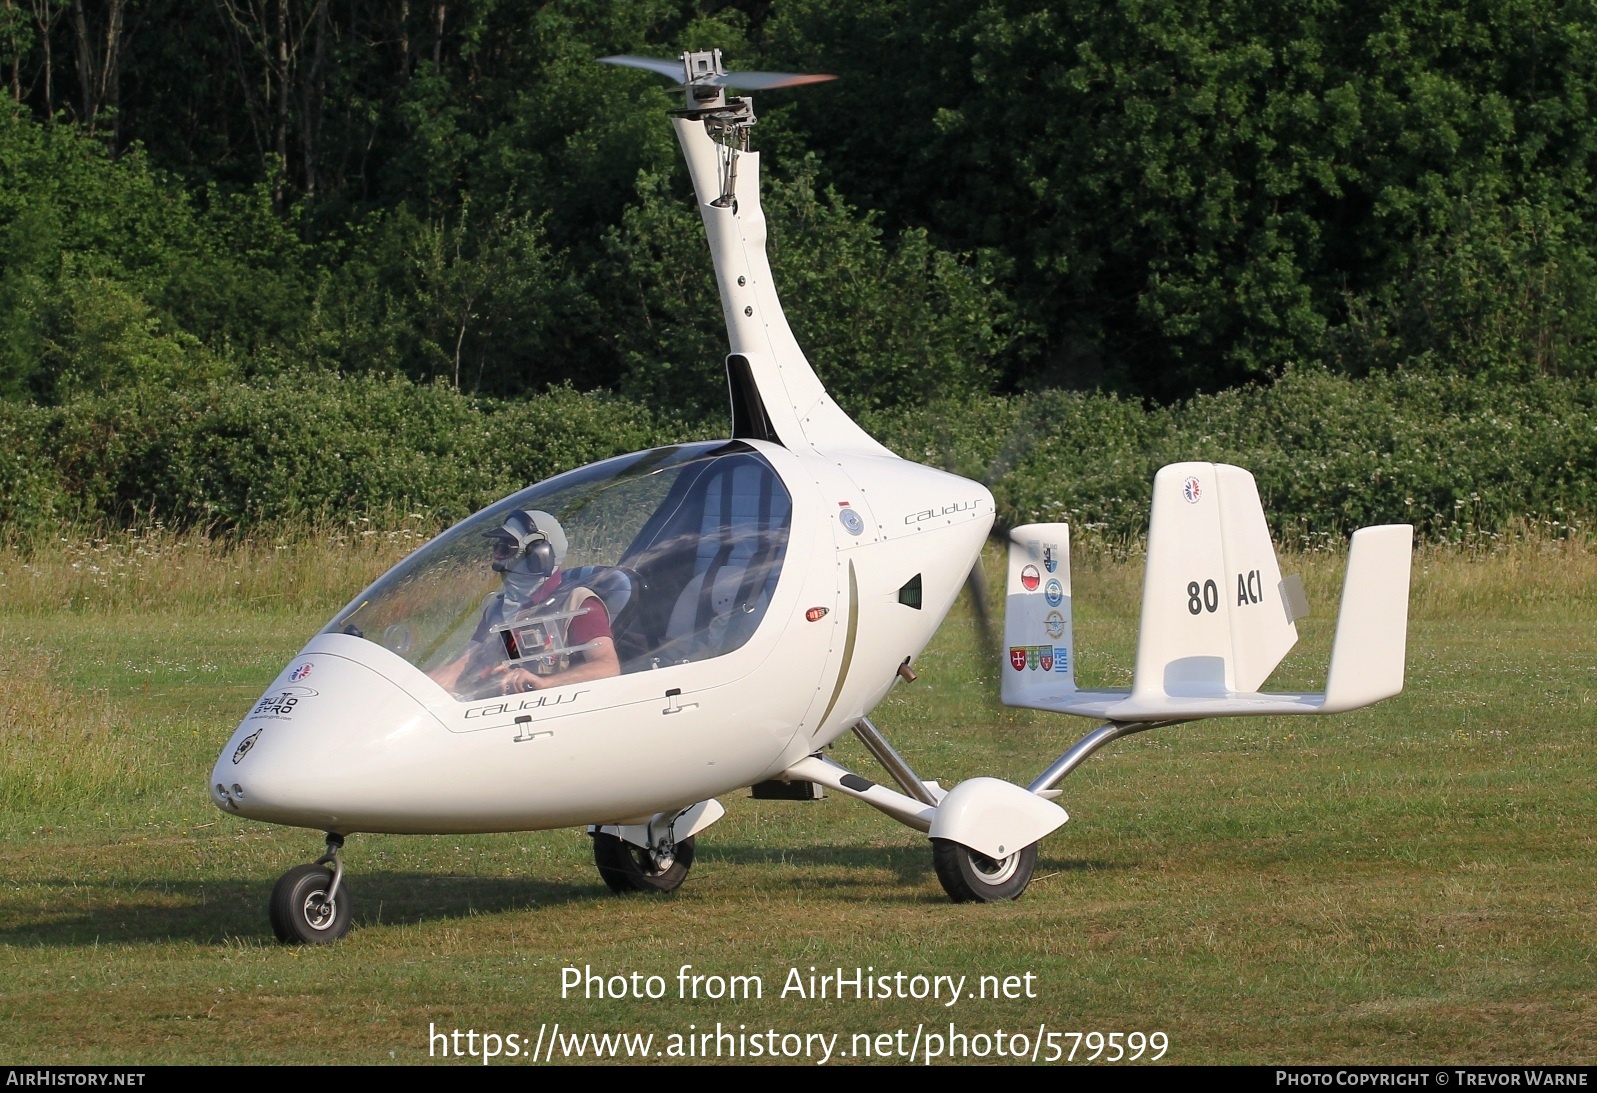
x: 281, y: 703
x: 1192, y: 490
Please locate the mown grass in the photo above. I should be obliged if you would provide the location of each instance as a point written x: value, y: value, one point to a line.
x: 1409, y: 883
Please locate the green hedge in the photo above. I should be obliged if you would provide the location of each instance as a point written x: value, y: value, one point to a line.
x: 1452, y: 455
x: 306, y: 447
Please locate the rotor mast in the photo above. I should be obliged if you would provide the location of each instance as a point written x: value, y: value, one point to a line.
x: 774, y: 390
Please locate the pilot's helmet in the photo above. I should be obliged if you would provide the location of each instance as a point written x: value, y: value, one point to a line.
x: 528, y: 542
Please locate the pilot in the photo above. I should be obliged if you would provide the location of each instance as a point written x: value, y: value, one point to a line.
x: 538, y: 631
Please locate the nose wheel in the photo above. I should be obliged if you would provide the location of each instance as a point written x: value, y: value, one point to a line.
x: 310, y: 905
x: 627, y: 868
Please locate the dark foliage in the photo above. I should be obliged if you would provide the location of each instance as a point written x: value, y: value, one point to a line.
x: 210, y: 207
x: 1176, y: 196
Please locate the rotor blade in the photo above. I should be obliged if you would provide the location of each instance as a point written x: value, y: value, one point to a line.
x: 765, y: 81
x: 673, y: 69
x: 748, y: 81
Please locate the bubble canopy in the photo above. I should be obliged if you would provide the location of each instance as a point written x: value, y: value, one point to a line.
x: 684, y: 546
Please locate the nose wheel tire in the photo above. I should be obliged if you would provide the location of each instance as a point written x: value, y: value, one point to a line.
x: 969, y: 876
x: 628, y: 868
x: 300, y: 911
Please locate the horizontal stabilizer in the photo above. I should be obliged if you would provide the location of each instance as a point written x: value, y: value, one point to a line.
x: 1217, y: 617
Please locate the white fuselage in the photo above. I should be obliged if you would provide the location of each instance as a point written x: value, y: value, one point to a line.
x: 351, y: 737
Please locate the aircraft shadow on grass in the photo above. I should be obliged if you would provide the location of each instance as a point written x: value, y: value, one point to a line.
x: 229, y: 907
x: 80, y: 913
x: 908, y: 864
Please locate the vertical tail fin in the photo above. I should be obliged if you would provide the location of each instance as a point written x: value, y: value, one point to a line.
x: 1214, y: 616
x: 1038, y: 636
x: 1367, y: 660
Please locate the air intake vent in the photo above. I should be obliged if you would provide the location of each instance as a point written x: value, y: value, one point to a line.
x: 909, y: 595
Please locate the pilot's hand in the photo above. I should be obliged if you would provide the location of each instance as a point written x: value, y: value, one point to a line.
x: 515, y: 680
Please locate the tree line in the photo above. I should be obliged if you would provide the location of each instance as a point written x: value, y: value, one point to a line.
x: 1152, y: 198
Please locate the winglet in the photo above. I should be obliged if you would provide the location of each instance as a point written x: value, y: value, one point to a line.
x: 1367, y: 659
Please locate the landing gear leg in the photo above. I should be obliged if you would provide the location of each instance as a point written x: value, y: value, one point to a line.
x: 309, y: 905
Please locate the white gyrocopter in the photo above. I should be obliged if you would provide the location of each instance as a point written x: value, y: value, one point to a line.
x: 623, y: 643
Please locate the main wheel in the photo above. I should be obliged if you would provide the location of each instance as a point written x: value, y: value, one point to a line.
x: 627, y: 868
x: 971, y: 877
x: 299, y: 909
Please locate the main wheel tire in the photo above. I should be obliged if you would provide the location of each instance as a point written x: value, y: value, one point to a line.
x: 299, y: 909
x: 627, y: 868
x: 971, y: 877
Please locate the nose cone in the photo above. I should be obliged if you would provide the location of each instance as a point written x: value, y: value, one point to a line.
x: 308, y: 752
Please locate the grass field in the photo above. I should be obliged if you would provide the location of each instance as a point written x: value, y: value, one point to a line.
x: 1408, y: 883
